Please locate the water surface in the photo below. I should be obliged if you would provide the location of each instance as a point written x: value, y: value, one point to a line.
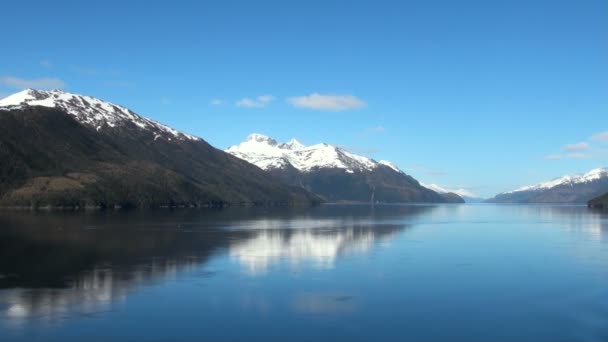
x: 352, y: 273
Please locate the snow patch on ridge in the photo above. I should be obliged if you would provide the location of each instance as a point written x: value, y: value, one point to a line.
x: 89, y: 111
x: 442, y: 190
x: 590, y: 176
x: 267, y: 154
x: 391, y: 165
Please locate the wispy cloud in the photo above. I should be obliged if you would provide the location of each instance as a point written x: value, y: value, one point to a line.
x: 578, y: 155
x: 371, y: 131
x: 100, y: 72
x: 85, y: 71
x: 582, y: 146
x: 46, y: 64
x: 258, y: 102
x: 37, y: 83
x: 603, y: 137
x: 119, y: 84
x: 216, y: 102
x: 335, y: 103
x: 367, y: 151
x: 421, y: 168
x: 574, y: 155
x: 591, y: 148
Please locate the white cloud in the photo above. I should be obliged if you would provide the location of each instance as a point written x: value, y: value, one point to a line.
x: 336, y: 103
x: 265, y: 98
x: 574, y: 155
x: 582, y: 146
x: 603, y: 136
x: 582, y: 150
x: 46, y: 64
x: 578, y: 155
x: 258, y: 102
x: 37, y: 83
x: 216, y: 102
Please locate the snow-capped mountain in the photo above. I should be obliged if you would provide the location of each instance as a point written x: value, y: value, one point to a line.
x: 62, y: 149
x: 575, y: 188
x: 90, y: 111
x: 334, y: 173
x: 267, y: 154
x: 570, y: 180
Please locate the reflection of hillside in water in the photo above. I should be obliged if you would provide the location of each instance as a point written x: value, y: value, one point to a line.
x: 56, y: 264
x: 578, y: 219
x: 90, y: 292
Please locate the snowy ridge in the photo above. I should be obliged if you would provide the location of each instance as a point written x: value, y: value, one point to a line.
x: 593, y: 175
x: 90, y: 111
x: 390, y: 164
x: 442, y: 190
x: 266, y: 153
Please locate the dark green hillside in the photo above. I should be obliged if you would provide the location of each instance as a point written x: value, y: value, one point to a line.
x: 50, y: 159
x: 600, y: 202
x: 381, y: 184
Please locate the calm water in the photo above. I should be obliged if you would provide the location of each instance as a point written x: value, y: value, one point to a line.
x: 352, y: 273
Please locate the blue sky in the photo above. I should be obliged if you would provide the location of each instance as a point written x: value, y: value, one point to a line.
x: 485, y: 95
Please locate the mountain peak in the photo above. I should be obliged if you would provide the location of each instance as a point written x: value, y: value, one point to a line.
x: 267, y: 154
x: 261, y: 138
x: 590, y: 176
x: 391, y: 165
x: 90, y: 111
x: 335, y: 173
x: 292, y: 144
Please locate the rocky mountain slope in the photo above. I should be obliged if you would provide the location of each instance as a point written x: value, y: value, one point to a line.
x: 62, y: 149
x: 335, y: 173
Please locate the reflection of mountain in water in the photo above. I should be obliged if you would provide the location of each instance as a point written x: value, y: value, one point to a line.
x: 56, y: 264
x: 589, y: 223
x: 321, y: 247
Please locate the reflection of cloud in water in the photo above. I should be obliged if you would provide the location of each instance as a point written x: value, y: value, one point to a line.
x: 320, y: 247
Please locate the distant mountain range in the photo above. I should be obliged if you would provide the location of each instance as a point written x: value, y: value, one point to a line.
x: 334, y: 173
x: 567, y: 189
x: 62, y: 149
